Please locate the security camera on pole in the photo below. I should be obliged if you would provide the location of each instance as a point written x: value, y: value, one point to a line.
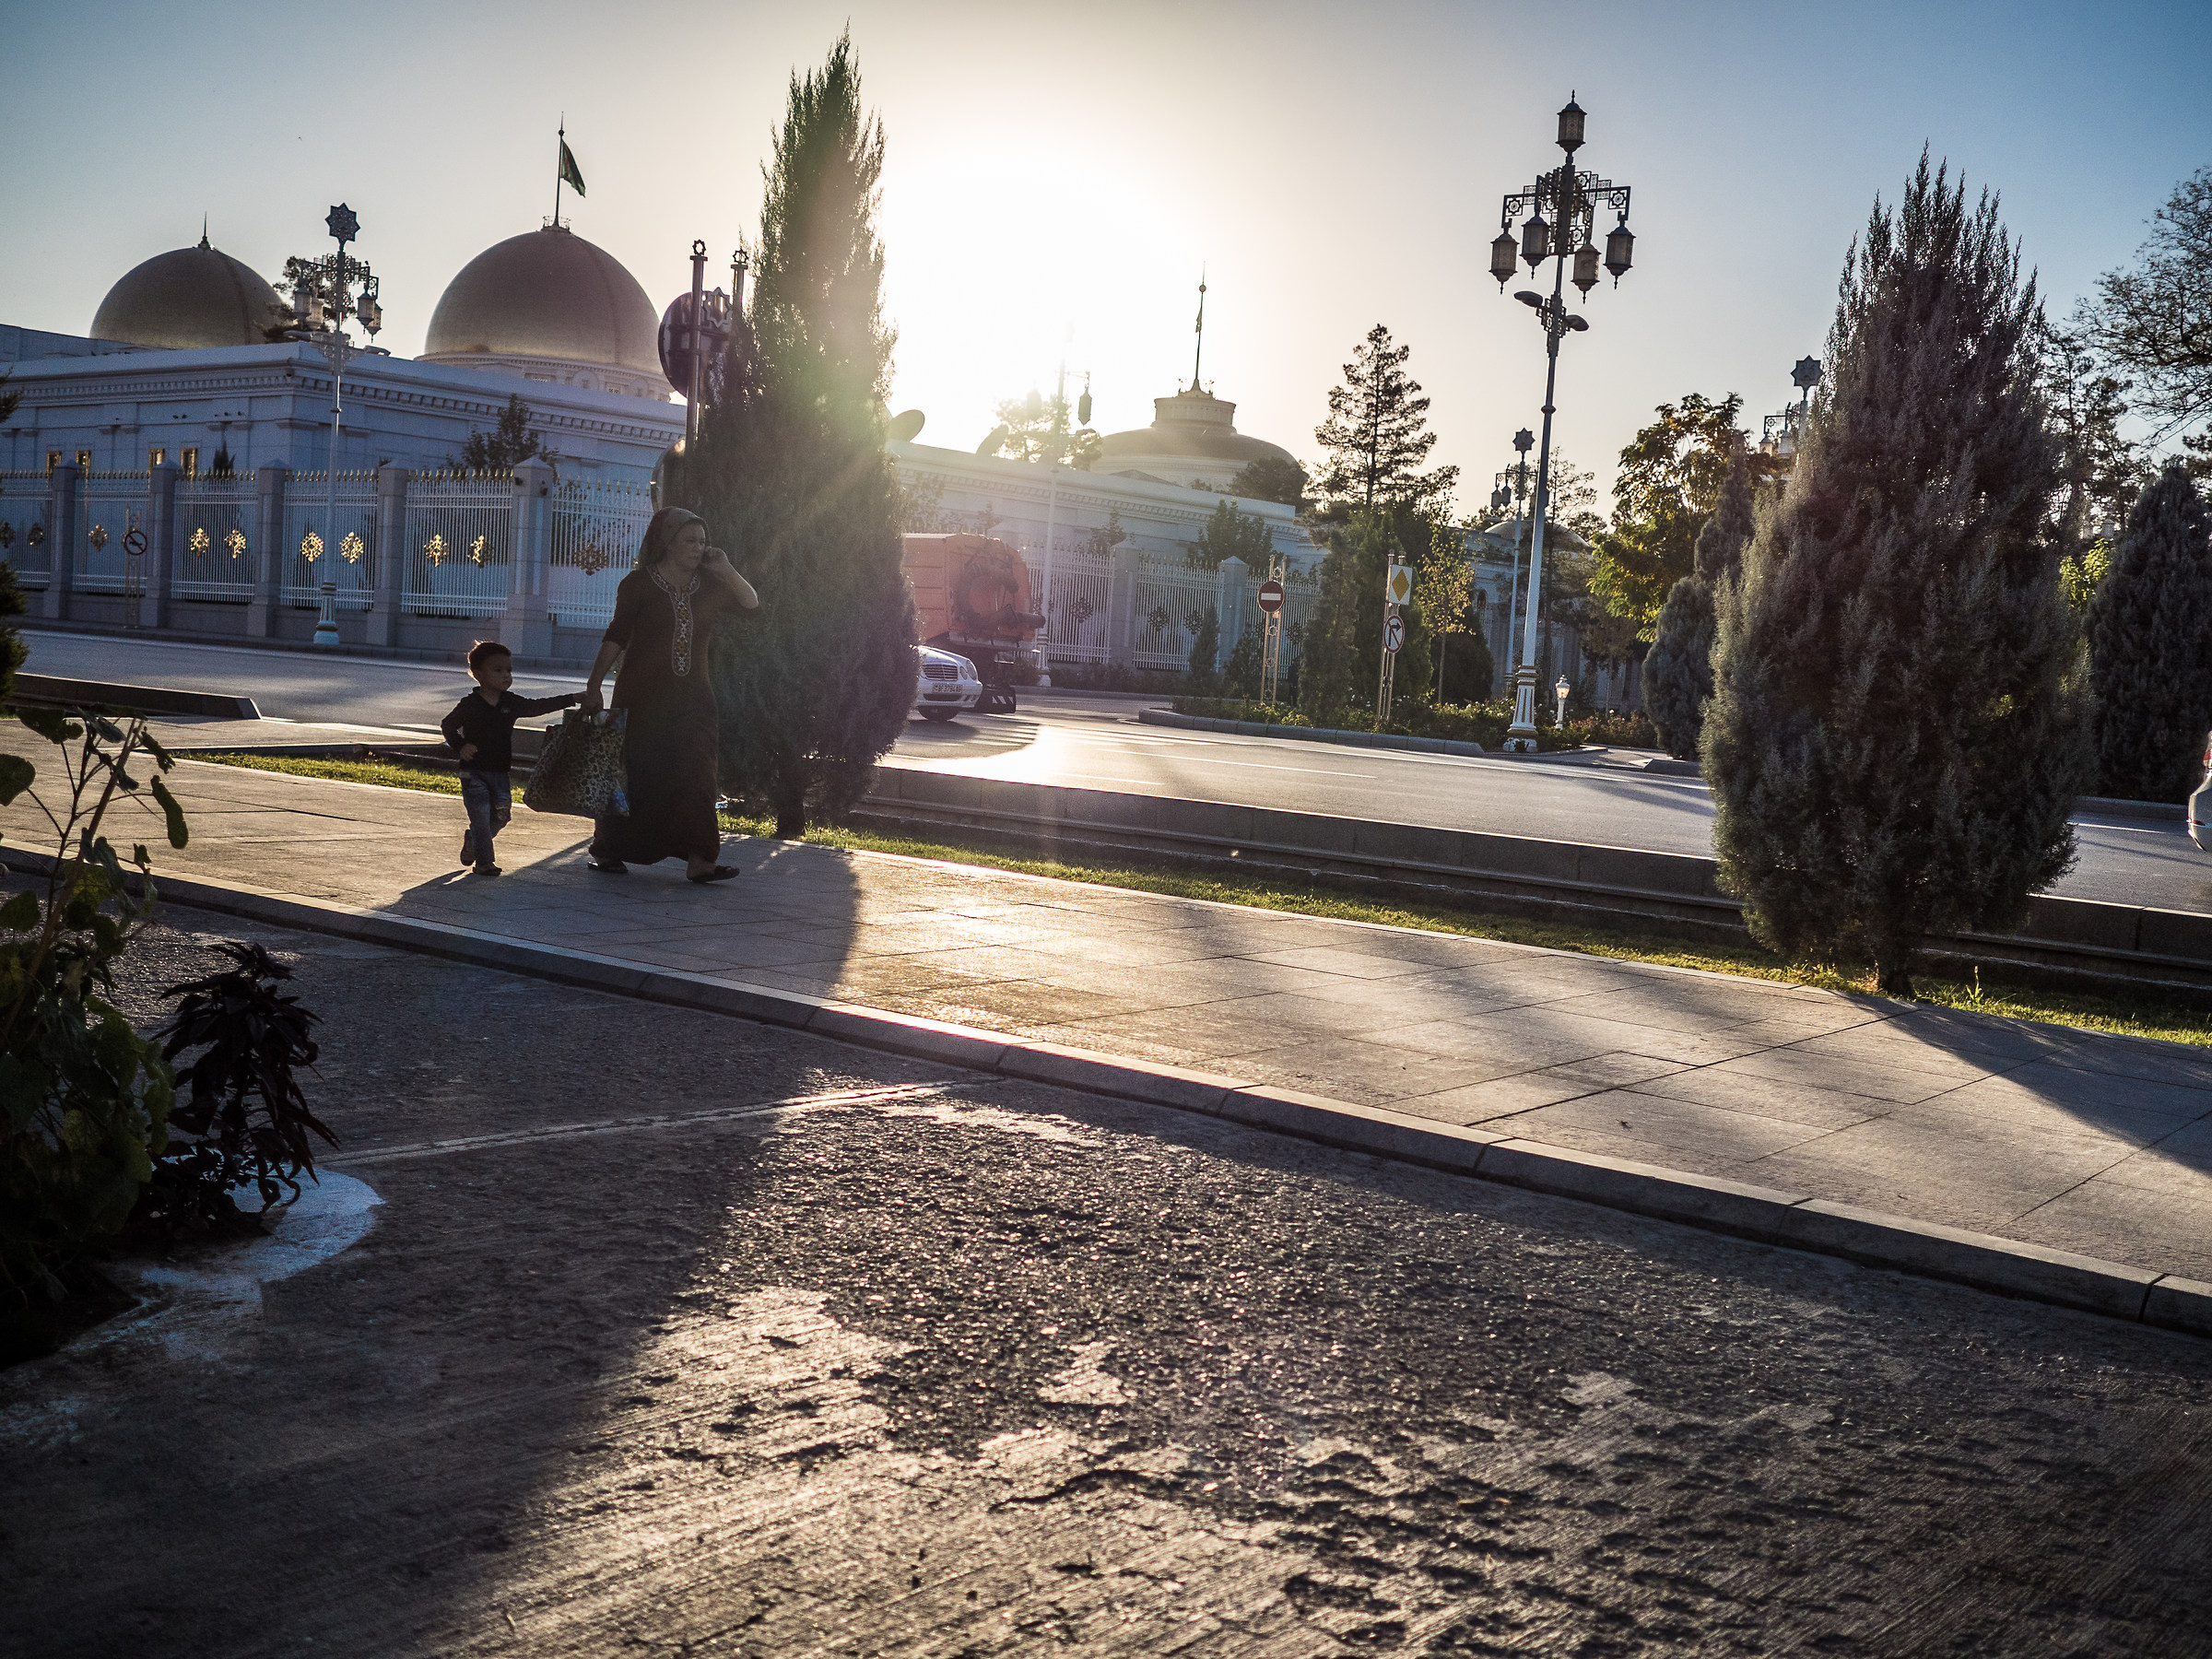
x: 1572, y: 199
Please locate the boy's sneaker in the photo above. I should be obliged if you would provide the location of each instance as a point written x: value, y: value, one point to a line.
x: 488, y: 869
x: 468, y: 846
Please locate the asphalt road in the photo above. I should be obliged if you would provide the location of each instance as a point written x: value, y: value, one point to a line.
x: 1094, y: 742
x: 760, y: 1367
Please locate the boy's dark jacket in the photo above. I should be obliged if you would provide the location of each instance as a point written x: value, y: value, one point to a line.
x: 491, y: 727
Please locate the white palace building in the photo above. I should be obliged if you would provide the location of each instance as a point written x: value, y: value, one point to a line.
x: 170, y: 468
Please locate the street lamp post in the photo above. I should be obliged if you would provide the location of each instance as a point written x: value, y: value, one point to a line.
x: 1573, y: 198
x: 321, y: 293
x: 1512, y: 491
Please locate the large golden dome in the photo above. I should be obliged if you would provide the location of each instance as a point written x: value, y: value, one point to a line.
x: 187, y: 299
x: 1192, y: 432
x: 546, y: 295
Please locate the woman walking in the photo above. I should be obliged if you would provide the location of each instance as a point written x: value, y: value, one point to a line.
x: 665, y: 615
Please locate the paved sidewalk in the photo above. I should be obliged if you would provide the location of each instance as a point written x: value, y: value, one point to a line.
x: 2056, y: 1137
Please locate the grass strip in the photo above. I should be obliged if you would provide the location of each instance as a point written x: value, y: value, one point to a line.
x: 2150, y: 1015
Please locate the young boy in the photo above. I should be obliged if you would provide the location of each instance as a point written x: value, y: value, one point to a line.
x: 481, y: 731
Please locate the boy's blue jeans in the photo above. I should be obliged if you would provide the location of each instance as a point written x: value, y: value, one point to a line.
x: 489, y: 799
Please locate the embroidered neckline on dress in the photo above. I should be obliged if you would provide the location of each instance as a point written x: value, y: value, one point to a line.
x: 679, y: 647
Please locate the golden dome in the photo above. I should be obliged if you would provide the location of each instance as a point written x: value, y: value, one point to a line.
x: 187, y: 299
x: 546, y: 294
x: 1194, y: 426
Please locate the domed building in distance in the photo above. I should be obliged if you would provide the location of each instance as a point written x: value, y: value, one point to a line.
x: 550, y: 307
x: 1193, y: 441
x: 187, y: 299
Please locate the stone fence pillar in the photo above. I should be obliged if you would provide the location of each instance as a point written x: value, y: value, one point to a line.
x: 391, y: 552
x: 160, y: 563
x: 1120, y: 609
x: 61, y: 535
x: 528, y: 626
x: 1229, y: 606
x: 267, y: 552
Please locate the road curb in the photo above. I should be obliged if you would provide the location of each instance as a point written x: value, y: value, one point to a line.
x: 1978, y: 1261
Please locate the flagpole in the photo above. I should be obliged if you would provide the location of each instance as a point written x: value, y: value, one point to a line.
x: 564, y: 139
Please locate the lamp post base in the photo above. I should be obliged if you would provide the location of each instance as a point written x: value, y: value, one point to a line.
x: 326, y: 625
x: 1520, y: 736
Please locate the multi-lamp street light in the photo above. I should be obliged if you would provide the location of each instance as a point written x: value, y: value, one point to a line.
x: 321, y: 295
x: 1572, y: 199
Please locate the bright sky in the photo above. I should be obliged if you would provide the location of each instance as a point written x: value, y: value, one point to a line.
x: 1331, y: 166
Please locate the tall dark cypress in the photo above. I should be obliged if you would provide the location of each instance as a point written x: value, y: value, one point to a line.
x: 1898, y: 727
x: 1678, y: 674
x: 815, y: 686
x: 2150, y: 640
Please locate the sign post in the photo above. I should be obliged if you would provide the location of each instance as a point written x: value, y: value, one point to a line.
x: 134, y: 569
x: 1397, y: 588
x: 1271, y: 632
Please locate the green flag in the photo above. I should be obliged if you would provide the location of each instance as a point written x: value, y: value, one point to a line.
x: 569, y: 174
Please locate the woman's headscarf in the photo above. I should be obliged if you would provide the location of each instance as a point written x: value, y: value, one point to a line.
x: 661, y: 534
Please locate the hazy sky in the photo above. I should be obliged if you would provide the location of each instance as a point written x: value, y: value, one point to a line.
x: 1332, y: 165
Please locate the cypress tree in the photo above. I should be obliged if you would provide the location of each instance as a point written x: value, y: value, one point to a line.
x: 1897, y: 725
x: 1678, y: 674
x: 2147, y: 626
x: 815, y: 686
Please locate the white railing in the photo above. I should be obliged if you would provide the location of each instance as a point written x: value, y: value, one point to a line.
x: 597, y: 529
x: 318, y: 547
x: 1072, y: 591
x: 459, y: 545
x: 213, y: 553
x: 24, y: 500
x: 1170, y: 606
x: 109, y: 506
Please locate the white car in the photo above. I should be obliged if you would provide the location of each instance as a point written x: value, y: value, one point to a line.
x: 948, y: 684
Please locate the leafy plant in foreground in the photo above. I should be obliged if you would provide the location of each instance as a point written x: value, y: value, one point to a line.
x: 247, y: 1117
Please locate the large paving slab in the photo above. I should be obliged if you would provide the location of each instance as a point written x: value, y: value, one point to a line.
x: 2059, y: 1137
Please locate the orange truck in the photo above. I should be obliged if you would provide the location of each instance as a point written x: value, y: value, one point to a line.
x: 971, y: 597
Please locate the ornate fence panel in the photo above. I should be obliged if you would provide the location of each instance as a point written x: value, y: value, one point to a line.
x: 596, y: 531
x: 214, y: 555
x: 460, y: 545
x: 109, y: 506
x: 319, y: 549
x: 23, y: 529
x: 1301, y: 591
x: 1072, y: 595
x: 1172, y: 601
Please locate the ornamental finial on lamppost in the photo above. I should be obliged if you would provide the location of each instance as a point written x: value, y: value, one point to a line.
x: 344, y: 226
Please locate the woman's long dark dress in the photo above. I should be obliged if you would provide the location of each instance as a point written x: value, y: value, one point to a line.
x: 672, y: 739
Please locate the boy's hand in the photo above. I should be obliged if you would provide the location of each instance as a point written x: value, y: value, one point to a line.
x: 469, y: 751
x: 592, y: 701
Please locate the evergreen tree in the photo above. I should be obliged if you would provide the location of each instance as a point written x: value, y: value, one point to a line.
x: 511, y: 443
x: 1678, y: 675
x: 815, y: 686
x: 2147, y: 626
x: 1377, y: 434
x: 1342, y: 658
x: 1202, y: 677
x: 2104, y: 473
x: 1270, y: 479
x: 1230, y: 532
x: 1898, y: 730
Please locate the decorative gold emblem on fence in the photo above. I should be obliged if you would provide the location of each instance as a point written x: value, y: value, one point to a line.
x: 352, y: 548
x: 311, y: 546
x: 98, y: 537
x: 478, y: 547
x: 36, y: 537
x: 199, y: 541
x: 593, y: 559
x: 236, y: 542
x: 435, y: 550
x: 8, y: 535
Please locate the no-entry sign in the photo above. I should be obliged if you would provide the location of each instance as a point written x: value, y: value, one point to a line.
x: 1271, y: 595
